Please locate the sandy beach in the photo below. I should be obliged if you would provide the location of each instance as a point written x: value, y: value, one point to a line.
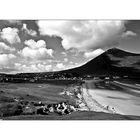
x: 123, y: 102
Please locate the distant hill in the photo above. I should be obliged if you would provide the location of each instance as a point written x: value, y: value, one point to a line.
x: 112, y: 62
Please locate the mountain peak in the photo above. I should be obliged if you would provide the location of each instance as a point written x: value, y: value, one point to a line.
x: 112, y: 62
x: 115, y: 50
x: 118, y: 52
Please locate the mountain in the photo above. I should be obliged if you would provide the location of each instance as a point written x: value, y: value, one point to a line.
x: 112, y: 62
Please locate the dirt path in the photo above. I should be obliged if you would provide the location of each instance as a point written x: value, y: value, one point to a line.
x: 91, y: 103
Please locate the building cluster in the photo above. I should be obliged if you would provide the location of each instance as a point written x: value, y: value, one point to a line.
x: 44, y: 77
x: 36, y: 77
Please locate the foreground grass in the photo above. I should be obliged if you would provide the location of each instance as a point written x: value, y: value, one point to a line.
x: 28, y: 92
x: 47, y: 93
x: 83, y: 115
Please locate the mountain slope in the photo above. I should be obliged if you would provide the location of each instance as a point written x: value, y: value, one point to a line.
x: 112, y: 62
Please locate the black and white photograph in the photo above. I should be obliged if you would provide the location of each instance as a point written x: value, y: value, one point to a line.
x: 59, y: 69
x: 69, y: 70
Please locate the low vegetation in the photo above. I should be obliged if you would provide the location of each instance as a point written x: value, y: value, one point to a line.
x: 27, y: 101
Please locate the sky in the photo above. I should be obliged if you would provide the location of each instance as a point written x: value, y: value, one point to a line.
x: 53, y: 45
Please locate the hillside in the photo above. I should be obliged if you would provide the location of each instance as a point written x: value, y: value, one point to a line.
x: 112, y: 62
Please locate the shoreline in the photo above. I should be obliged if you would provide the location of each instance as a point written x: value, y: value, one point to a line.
x: 93, y: 104
x: 125, y: 101
x: 84, y: 101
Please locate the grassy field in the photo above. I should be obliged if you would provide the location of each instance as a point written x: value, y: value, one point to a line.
x: 33, y: 92
x: 47, y: 93
x: 29, y: 92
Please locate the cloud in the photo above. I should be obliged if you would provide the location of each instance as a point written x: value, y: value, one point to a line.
x: 26, y: 68
x: 64, y: 53
x: 5, y: 59
x: 44, y: 67
x: 84, y: 35
x: 10, y: 34
x: 71, y: 62
x: 5, y: 48
x: 15, y: 21
x: 33, y: 67
x: 128, y: 34
x: 60, y: 66
x: 72, y: 65
x: 36, y: 50
x: 28, y: 31
x: 40, y: 53
x: 94, y: 53
x: 35, y: 45
x: 65, y: 59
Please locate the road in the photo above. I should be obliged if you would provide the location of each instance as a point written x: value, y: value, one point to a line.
x: 125, y: 101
